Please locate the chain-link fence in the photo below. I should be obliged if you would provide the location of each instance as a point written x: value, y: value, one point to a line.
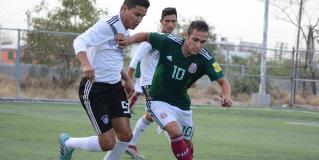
x: 48, y: 69
x: 290, y: 80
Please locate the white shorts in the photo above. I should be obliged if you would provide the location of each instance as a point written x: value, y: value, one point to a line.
x: 164, y: 113
x: 137, y: 86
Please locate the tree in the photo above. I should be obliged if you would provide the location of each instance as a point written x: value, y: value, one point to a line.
x: 56, y: 49
x: 309, y: 31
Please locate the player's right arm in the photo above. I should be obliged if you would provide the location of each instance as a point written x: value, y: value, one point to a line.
x: 94, y: 36
x: 87, y: 69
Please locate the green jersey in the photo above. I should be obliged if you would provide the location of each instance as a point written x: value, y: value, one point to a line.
x: 138, y: 71
x: 175, y: 73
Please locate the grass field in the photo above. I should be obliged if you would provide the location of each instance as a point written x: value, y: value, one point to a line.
x: 30, y: 131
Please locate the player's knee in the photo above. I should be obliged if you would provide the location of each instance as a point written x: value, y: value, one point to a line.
x: 107, y: 145
x: 125, y: 137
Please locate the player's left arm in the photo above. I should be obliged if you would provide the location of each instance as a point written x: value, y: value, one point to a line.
x: 128, y: 84
x: 215, y: 73
x: 226, y: 92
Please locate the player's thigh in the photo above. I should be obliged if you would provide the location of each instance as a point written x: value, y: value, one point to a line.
x: 164, y: 116
x: 93, y: 99
x: 120, y: 113
x: 173, y: 129
x: 117, y: 102
x: 122, y: 128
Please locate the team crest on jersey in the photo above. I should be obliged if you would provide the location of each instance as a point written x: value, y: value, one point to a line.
x: 192, y: 68
x: 216, y: 67
x: 105, y: 119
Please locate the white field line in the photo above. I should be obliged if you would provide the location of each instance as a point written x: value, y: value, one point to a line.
x: 257, y: 108
x: 312, y: 124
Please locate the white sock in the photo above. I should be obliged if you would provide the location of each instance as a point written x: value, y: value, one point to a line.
x: 85, y: 143
x: 140, y: 126
x: 117, y: 151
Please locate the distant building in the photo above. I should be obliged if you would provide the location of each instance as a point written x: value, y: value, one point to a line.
x: 243, y: 49
x: 250, y: 47
x: 8, y: 52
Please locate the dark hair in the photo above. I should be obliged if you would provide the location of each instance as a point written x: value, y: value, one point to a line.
x: 133, y: 3
x: 169, y: 11
x: 199, y: 25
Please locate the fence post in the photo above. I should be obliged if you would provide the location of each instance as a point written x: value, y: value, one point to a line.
x: 292, y: 79
x: 17, y: 75
x: 242, y: 70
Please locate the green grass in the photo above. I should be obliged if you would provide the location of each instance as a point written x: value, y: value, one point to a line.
x: 30, y: 131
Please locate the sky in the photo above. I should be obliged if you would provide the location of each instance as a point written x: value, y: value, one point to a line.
x: 238, y: 20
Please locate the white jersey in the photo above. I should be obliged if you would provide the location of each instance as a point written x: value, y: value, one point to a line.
x: 149, y: 59
x: 102, y: 51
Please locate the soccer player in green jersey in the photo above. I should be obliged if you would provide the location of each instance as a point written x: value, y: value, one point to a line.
x: 148, y: 61
x: 182, y: 61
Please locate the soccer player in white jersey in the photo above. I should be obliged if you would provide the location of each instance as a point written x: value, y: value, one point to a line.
x: 148, y: 61
x: 101, y: 92
x: 182, y: 61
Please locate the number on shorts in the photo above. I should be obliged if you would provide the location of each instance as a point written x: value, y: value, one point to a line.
x: 125, y: 107
x: 187, y: 131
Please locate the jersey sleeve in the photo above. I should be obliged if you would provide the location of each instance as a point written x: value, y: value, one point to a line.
x: 213, y: 70
x: 143, y: 49
x: 157, y: 40
x: 94, y: 36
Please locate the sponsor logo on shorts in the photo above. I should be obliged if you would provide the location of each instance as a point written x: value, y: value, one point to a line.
x: 105, y: 119
x: 163, y: 115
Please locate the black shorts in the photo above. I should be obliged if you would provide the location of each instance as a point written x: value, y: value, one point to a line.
x: 102, y: 102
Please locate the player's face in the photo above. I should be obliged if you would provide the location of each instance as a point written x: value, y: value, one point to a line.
x: 196, y: 41
x: 168, y: 23
x: 131, y: 18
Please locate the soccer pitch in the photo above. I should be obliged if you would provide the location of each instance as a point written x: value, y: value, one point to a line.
x: 30, y: 132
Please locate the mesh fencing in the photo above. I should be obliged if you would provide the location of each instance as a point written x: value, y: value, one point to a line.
x: 48, y: 69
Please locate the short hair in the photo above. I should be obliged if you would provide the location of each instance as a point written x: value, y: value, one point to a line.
x: 168, y: 11
x: 133, y: 3
x: 199, y: 25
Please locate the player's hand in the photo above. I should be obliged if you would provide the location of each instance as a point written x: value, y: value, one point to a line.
x: 128, y: 88
x: 88, y: 72
x: 121, y: 40
x: 226, y: 102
